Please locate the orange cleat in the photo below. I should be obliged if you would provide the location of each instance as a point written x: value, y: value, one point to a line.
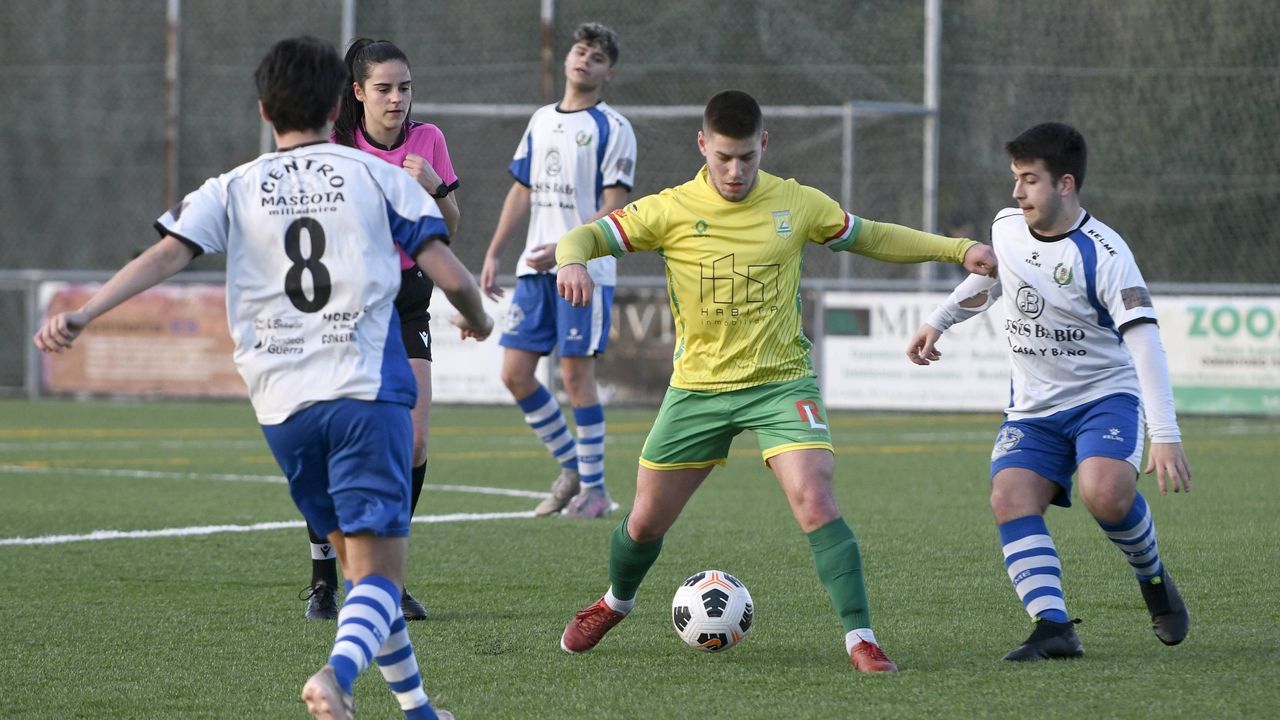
x: 869, y: 658
x: 588, y: 627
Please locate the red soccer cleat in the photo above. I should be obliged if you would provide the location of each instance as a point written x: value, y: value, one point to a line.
x: 588, y: 627
x: 869, y: 658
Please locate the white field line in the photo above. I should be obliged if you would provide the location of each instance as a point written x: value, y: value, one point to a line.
x: 222, y: 529
x: 219, y: 529
x: 224, y: 477
x: 137, y: 474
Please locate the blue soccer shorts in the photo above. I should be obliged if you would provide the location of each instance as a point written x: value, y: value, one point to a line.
x: 347, y: 462
x: 1054, y: 446
x: 539, y: 320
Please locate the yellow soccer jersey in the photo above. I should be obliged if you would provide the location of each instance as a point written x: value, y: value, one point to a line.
x: 733, y: 274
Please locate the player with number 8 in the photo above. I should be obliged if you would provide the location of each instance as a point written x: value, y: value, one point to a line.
x: 317, y: 343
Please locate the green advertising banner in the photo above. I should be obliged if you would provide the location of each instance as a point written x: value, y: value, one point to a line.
x: 1224, y: 353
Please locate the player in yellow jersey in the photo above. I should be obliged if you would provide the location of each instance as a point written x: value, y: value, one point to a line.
x: 732, y: 239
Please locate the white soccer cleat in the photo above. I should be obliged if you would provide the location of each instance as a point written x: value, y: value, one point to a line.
x: 325, y: 699
x: 591, y: 503
x: 562, y: 491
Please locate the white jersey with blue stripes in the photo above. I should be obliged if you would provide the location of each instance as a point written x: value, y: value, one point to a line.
x: 310, y: 235
x: 567, y: 159
x: 1066, y: 300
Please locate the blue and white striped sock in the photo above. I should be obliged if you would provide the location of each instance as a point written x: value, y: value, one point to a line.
x: 590, y: 422
x: 542, y: 412
x: 1135, y: 535
x: 364, y: 623
x: 1032, y: 563
x: 399, y: 667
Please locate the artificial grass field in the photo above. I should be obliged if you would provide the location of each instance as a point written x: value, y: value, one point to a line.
x: 209, y: 625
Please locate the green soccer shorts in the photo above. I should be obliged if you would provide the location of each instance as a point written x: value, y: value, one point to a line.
x: 694, y: 429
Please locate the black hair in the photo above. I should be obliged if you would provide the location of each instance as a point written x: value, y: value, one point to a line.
x: 361, y: 57
x: 298, y: 83
x: 603, y: 37
x: 734, y: 114
x: 1060, y: 146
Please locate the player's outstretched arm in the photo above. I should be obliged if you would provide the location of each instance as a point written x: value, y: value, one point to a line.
x: 157, y: 264
x: 901, y: 244
x: 971, y: 297
x: 574, y: 284
x: 922, y: 348
x: 515, y: 208
x: 580, y: 244
x: 980, y: 259
x: 448, y: 273
x: 543, y: 257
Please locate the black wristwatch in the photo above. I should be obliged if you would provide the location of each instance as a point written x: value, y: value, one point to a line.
x: 442, y: 192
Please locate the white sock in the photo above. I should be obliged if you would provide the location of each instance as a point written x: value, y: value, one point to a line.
x: 853, y: 637
x: 399, y: 667
x: 616, y: 605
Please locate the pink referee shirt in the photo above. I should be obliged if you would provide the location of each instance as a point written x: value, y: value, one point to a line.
x: 419, y: 138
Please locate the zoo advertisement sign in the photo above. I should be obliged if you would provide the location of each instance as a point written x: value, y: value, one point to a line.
x: 1224, y: 353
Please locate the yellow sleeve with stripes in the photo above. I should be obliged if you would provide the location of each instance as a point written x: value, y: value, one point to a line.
x: 581, y: 244
x: 899, y: 244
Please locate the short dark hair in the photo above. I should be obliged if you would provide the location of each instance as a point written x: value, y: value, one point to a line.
x: 361, y: 57
x: 734, y: 114
x: 298, y: 83
x: 602, y: 36
x: 1060, y: 146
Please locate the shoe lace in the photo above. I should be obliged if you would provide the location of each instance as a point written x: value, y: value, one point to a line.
x: 595, y: 618
x: 311, y: 591
x: 871, y: 650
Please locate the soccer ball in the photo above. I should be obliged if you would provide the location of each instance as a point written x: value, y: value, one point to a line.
x: 712, y: 611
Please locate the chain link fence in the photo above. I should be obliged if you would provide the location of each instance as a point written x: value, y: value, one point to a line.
x: 1177, y: 102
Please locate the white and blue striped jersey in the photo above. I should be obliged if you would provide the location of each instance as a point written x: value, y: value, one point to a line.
x: 310, y: 235
x: 567, y: 159
x: 1066, y: 300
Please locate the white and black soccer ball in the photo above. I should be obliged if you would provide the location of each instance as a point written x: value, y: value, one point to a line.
x: 712, y: 611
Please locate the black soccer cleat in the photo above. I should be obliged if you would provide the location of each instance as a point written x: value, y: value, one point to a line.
x: 322, y: 601
x: 1169, y: 617
x: 1049, y: 640
x: 412, y: 609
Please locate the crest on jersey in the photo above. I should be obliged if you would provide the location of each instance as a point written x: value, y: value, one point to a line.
x: 1063, y: 274
x: 782, y: 223
x: 701, y: 227
x: 1029, y: 302
x: 583, y: 138
x: 1006, y: 441
x: 551, y: 163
